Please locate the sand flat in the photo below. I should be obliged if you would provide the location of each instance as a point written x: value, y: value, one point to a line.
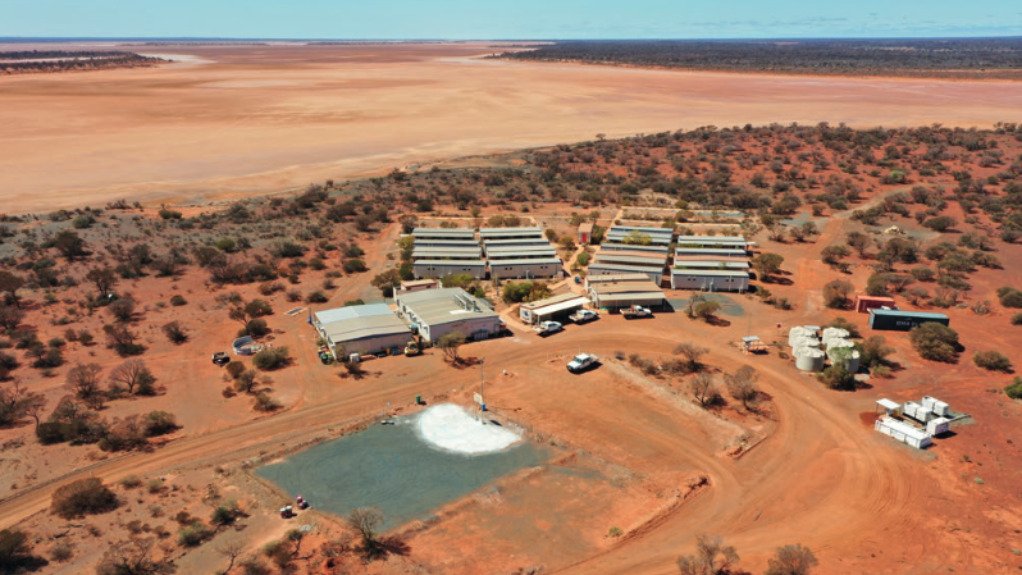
x: 240, y: 120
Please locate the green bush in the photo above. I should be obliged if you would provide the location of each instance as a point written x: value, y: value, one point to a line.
x: 194, y: 534
x: 271, y: 358
x: 178, y: 300
x: 83, y: 497
x: 354, y: 266
x: 1014, y: 390
x: 1010, y: 297
x: 1016, y: 319
x: 935, y: 341
x: 993, y: 361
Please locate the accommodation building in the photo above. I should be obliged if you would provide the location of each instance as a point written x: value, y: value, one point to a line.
x: 363, y: 329
x: 430, y: 268
x: 702, y: 279
x: 554, y: 307
x: 525, y: 268
x: 437, y: 312
x: 620, y: 294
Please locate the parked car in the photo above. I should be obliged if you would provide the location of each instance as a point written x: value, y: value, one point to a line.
x: 636, y: 312
x: 583, y: 316
x: 221, y: 358
x: 548, y: 328
x: 583, y: 362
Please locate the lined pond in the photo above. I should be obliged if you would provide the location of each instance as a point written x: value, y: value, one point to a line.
x: 408, y: 469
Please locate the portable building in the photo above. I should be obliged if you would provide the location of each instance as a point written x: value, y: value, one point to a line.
x: 444, y: 233
x: 902, y: 320
x: 864, y: 303
x: 435, y: 313
x: 592, y: 280
x: 938, y: 426
x: 618, y: 246
x: 632, y: 258
x: 712, y: 265
x: 525, y: 268
x: 459, y: 253
x: 640, y: 235
x: 683, y: 252
x: 445, y: 243
x: 510, y: 233
x: 419, y: 285
x: 585, y: 233
x: 734, y: 242
x: 903, y: 432
x: 551, y: 307
x: 441, y: 268
x: 488, y: 244
x: 709, y: 280
x: 363, y: 329
x: 520, y: 252
x: 614, y: 295
x: 653, y: 273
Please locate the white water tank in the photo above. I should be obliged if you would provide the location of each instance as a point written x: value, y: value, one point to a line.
x: 834, y: 332
x: 805, y: 341
x: 837, y: 343
x: 809, y: 359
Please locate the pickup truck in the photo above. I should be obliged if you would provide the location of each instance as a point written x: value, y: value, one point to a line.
x: 636, y: 312
x: 548, y: 328
x: 583, y: 316
x: 583, y: 362
x: 220, y: 358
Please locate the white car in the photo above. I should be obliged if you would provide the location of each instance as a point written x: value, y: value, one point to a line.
x: 583, y: 316
x: 583, y: 362
x: 548, y: 328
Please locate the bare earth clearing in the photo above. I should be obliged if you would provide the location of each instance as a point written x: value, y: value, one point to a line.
x: 231, y: 121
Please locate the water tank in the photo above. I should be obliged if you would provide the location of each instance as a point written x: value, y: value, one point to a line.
x: 837, y: 342
x: 796, y: 333
x: 805, y: 341
x: 839, y: 349
x: 809, y: 359
x: 834, y: 332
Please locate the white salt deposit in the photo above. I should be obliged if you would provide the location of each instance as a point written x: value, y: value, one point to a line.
x: 451, y: 428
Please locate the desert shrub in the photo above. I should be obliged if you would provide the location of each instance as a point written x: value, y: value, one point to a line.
x: 61, y: 552
x: 235, y: 369
x: 935, y: 341
x: 131, y: 482
x: 1014, y: 389
x: 83, y: 497
x: 194, y: 534
x: 226, y: 514
x: 1010, y: 297
x: 792, y: 560
x: 1016, y: 319
x: 354, y: 266
x: 16, y: 552
x: 317, y: 297
x: 178, y: 300
x: 264, y: 402
x: 175, y: 333
x: 993, y: 361
x: 258, y: 308
x: 837, y: 377
x: 124, y: 435
x: 159, y: 423
x: 271, y: 358
x: 256, y: 328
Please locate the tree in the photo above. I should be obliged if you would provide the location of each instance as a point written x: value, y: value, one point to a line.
x: 9, y: 286
x: 83, y: 497
x: 707, y: 310
x: 742, y: 385
x: 134, y: 377
x: 387, y: 282
x: 836, y: 294
x: 367, y: 521
x: 258, y: 308
x: 231, y: 550
x: 859, y: 242
x: 993, y: 361
x: 123, y: 309
x: 103, y: 278
x: 712, y: 557
x: 874, y: 351
x: 832, y: 255
x: 449, y: 344
x: 703, y: 389
x: 16, y: 552
x: 69, y: 244
x: 122, y: 340
x: 791, y: 560
x: 16, y: 402
x: 767, y: 264
x: 10, y: 317
x: 271, y: 358
x: 83, y: 381
x: 837, y: 376
x: 692, y: 354
x: 935, y: 341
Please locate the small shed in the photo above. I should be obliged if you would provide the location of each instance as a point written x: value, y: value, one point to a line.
x: 551, y: 307
x: 864, y: 303
x: 585, y: 233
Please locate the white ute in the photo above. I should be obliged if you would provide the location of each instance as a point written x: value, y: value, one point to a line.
x: 583, y: 316
x: 582, y: 362
x: 548, y: 328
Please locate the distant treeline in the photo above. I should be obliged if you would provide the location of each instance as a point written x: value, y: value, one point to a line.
x: 967, y: 56
x: 67, y: 60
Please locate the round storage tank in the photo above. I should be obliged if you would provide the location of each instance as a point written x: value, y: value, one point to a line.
x: 838, y: 344
x: 796, y: 333
x: 809, y: 359
x: 834, y: 332
x: 805, y: 341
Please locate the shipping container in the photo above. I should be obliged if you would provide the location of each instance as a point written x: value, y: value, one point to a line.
x: 901, y: 320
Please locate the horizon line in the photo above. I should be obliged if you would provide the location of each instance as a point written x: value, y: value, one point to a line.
x: 546, y: 39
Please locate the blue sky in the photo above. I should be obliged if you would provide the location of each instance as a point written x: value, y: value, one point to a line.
x: 482, y: 19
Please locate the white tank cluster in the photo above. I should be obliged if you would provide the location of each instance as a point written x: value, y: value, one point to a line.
x: 805, y: 346
x: 811, y: 347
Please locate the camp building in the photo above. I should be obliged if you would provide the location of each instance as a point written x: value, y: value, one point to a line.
x: 434, y: 313
x: 363, y: 329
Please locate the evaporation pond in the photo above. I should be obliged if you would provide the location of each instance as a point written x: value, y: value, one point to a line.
x: 406, y: 470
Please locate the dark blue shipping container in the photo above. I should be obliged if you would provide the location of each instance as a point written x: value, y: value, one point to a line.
x: 901, y: 320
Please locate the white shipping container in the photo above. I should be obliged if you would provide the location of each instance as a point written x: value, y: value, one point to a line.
x: 938, y: 426
x: 940, y: 408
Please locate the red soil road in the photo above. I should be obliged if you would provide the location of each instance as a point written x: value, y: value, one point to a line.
x: 258, y: 119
